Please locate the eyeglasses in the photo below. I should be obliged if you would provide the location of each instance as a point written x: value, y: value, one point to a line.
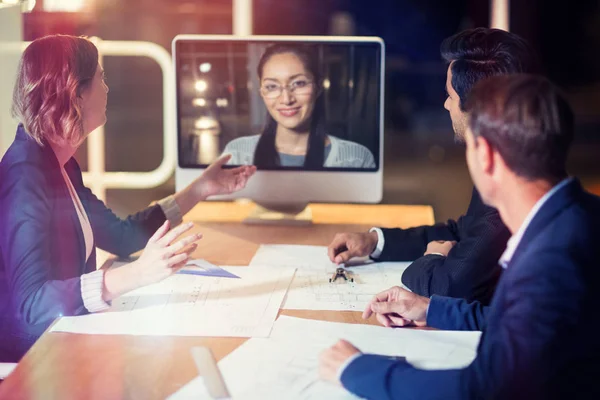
x: 298, y: 87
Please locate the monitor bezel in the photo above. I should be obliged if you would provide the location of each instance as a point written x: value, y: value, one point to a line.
x: 251, y: 39
x: 367, y: 182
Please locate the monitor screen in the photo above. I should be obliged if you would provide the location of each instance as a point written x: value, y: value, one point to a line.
x: 279, y: 104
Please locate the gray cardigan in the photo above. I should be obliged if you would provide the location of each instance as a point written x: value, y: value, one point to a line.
x: 343, y: 154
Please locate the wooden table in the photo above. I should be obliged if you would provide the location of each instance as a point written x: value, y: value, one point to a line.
x: 73, y: 366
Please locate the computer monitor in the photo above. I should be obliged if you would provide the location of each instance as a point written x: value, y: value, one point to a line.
x: 308, y: 111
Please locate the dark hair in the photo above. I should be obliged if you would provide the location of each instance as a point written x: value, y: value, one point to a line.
x: 265, y: 155
x: 481, y: 53
x: 527, y: 120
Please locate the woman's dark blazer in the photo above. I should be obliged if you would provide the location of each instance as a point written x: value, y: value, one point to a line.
x: 42, y: 248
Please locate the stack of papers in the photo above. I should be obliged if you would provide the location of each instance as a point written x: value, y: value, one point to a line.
x: 281, y: 359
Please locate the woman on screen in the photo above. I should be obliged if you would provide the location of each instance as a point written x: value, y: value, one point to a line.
x: 52, y: 223
x: 295, y: 133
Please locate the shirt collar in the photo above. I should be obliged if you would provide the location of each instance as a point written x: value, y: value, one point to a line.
x: 513, y: 242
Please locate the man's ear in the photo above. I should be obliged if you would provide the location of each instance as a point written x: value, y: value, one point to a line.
x: 485, y: 154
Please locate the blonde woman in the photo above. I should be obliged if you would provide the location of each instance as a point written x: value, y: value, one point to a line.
x: 51, y: 223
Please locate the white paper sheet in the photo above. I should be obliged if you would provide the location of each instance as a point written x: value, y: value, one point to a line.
x: 286, y: 364
x: 311, y: 289
x: 6, y: 369
x: 189, y: 305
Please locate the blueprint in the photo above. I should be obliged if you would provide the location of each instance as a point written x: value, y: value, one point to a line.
x: 311, y: 289
x: 193, y: 305
x: 286, y: 364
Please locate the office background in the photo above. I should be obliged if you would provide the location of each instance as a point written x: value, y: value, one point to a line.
x: 422, y: 163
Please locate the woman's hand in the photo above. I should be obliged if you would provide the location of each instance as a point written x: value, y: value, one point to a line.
x: 217, y: 180
x: 160, y: 259
x: 214, y: 180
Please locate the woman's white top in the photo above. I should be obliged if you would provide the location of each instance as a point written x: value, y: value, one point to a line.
x: 86, y: 227
x: 91, y: 283
x: 343, y: 154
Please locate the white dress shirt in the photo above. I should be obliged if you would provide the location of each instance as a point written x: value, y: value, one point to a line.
x: 380, y: 243
x: 514, y: 241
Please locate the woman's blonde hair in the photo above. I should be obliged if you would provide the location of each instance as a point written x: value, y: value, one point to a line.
x: 52, y: 73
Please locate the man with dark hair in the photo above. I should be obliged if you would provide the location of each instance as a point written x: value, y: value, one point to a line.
x: 539, y: 334
x: 476, y: 54
x: 458, y: 258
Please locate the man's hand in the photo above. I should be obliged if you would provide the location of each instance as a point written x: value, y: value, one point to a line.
x: 440, y: 247
x: 398, y: 307
x: 347, y: 245
x: 333, y: 358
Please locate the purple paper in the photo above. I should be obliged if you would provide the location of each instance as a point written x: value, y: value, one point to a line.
x: 204, y: 268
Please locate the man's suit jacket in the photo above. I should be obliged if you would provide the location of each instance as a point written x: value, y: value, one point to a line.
x: 471, y: 269
x: 42, y: 248
x: 540, y: 334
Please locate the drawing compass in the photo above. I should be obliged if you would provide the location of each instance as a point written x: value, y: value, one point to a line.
x: 340, y: 272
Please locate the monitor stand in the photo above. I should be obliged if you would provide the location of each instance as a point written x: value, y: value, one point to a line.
x: 280, y: 214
